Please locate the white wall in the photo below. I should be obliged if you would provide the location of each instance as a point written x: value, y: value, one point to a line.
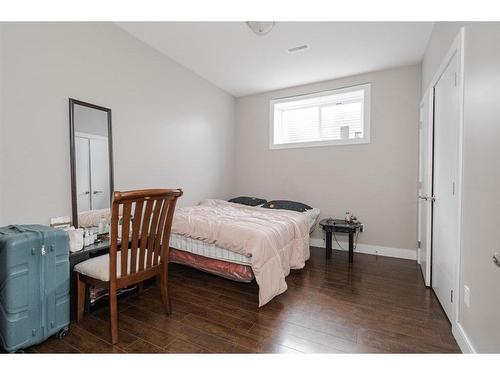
x: 480, y: 237
x: 481, y: 186
x: 377, y: 181
x: 171, y: 128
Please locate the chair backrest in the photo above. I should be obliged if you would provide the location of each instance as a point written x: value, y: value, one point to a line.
x: 146, y: 220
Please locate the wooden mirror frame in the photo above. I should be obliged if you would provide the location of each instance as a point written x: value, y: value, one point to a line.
x: 74, y: 200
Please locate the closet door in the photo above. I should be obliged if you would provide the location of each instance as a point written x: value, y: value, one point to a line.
x: 99, y: 173
x: 82, y: 159
x: 445, y: 209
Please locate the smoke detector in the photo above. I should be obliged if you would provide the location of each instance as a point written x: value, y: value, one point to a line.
x: 261, y: 28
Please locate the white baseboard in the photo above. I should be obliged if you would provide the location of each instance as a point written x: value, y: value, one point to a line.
x: 463, y: 340
x: 371, y: 249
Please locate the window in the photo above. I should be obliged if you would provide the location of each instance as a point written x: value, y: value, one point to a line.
x: 336, y: 117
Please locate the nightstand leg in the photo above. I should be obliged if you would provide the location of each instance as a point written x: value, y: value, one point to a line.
x: 328, y: 240
x: 351, y: 247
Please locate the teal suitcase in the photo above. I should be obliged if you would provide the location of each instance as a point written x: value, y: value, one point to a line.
x: 34, y: 285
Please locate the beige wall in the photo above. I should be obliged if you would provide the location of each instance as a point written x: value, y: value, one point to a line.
x: 377, y: 181
x: 170, y: 127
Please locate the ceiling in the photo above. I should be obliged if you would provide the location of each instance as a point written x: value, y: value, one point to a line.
x: 232, y: 57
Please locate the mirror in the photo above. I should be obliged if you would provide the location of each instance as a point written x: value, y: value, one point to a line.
x: 91, y: 157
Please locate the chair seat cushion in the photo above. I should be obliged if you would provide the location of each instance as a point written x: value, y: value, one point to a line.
x: 98, y: 267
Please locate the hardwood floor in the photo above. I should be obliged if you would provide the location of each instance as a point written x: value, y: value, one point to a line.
x: 378, y: 305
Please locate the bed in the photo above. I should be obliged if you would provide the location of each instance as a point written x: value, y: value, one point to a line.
x: 241, y: 243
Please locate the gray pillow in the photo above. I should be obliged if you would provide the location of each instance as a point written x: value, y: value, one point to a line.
x: 287, y: 205
x: 248, y: 201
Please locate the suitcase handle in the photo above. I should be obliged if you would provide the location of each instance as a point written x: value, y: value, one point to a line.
x: 17, y: 227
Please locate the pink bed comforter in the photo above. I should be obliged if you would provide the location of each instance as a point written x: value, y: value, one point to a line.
x: 276, y: 240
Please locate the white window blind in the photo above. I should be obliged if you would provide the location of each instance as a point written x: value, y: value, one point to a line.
x: 327, y: 118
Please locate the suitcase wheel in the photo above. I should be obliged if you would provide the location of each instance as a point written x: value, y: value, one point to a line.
x: 62, y: 333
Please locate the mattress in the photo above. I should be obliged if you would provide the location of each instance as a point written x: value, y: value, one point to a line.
x: 212, y: 251
x: 208, y: 250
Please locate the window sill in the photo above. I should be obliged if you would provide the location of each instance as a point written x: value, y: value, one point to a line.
x: 344, y: 142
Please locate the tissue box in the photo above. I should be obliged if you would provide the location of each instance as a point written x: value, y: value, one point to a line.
x: 75, y: 239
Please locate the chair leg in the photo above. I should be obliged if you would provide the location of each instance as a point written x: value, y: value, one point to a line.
x: 164, y: 290
x: 81, y: 294
x: 113, y: 315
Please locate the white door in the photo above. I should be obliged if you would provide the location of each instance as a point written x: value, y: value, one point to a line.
x: 82, y: 160
x: 99, y: 173
x: 425, y: 187
x: 445, y: 207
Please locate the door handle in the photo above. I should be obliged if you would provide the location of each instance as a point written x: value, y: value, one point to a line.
x: 427, y: 198
x: 496, y: 259
x: 98, y: 191
x: 85, y: 193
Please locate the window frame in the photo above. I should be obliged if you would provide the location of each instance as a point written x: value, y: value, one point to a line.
x: 366, y: 87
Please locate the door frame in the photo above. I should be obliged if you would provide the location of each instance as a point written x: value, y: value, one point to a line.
x: 457, y: 47
x: 429, y: 95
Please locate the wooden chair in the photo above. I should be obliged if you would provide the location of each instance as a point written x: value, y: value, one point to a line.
x: 147, y: 220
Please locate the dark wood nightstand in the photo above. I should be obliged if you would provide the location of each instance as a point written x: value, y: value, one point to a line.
x: 340, y: 226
